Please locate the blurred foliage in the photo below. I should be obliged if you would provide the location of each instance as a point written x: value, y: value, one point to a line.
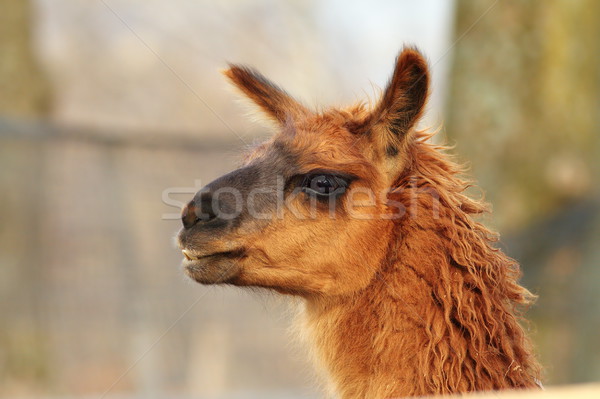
x: 524, y: 95
x: 524, y: 110
x: 24, y: 90
x: 25, y: 93
x: 23, y: 359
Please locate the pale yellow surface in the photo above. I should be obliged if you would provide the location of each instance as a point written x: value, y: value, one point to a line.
x: 586, y: 391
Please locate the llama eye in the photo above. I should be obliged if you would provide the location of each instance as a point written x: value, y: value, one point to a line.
x: 324, y: 185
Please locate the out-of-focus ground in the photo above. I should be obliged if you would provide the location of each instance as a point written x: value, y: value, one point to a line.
x: 583, y: 391
x: 113, y: 111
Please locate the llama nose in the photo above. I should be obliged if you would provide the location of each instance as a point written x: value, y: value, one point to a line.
x: 193, y: 213
x: 188, y: 215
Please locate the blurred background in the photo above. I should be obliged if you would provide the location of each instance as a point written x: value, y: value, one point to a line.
x: 113, y: 111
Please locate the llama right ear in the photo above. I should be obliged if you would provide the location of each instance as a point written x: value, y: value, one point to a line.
x: 402, y: 102
x: 272, y: 100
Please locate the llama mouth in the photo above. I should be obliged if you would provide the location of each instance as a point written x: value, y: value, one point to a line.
x: 212, y: 268
x: 190, y: 256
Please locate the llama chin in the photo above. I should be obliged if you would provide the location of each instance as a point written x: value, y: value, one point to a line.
x: 357, y: 213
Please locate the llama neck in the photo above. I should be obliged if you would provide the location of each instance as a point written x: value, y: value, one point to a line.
x: 367, y: 343
x: 430, y: 322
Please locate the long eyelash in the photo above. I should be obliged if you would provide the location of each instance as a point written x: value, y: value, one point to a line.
x: 325, y: 198
x: 297, y: 181
x: 328, y: 172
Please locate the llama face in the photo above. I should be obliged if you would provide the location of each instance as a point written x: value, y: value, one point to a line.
x: 308, y: 213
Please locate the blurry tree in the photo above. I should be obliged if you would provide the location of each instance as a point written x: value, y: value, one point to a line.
x: 524, y: 110
x: 524, y: 95
x: 24, y: 89
x: 24, y: 93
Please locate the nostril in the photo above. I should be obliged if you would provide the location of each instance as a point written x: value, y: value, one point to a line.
x: 191, y: 214
x: 204, y: 207
x: 188, y: 215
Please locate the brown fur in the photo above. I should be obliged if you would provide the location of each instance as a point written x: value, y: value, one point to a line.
x: 412, y: 305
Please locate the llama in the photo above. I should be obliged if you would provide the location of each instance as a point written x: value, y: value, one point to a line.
x: 357, y: 213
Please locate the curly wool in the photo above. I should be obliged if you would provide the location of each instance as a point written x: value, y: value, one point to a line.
x: 442, y: 315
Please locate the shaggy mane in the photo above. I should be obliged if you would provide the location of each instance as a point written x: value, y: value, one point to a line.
x: 476, y: 337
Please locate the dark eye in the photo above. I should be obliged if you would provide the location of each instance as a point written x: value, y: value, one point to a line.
x: 324, y: 185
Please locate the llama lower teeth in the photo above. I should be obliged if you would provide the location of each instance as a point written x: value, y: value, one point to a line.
x: 187, y: 255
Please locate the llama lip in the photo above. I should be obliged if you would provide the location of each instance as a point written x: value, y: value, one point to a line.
x: 190, y: 256
x: 212, y: 268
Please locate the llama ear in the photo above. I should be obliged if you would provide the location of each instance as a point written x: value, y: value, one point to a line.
x: 272, y: 100
x: 402, y: 102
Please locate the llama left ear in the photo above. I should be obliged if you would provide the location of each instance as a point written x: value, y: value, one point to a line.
x: 275, y: 103
x: 401, y: 104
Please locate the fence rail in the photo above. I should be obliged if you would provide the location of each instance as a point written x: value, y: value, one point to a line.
x: 42, y: 130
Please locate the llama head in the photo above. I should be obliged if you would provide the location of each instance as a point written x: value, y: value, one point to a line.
x: 309, y: 212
